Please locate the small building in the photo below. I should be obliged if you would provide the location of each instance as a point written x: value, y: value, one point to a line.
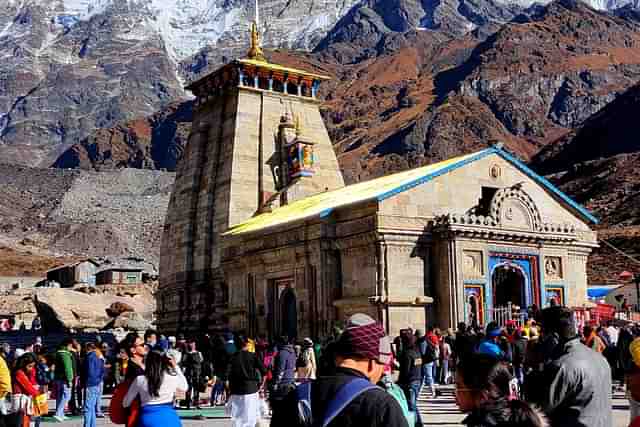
x: 79, y: 272
x: 119, y: 276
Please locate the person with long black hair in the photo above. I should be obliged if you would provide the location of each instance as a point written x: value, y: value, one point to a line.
x: 483, y: 390
x: 24, y: 389
x: 157, y: 389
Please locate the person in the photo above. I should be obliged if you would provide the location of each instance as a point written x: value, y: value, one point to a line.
x: 23, y: 385
x: 284, y: 373
x: 120, y: 367
x: 411, y: 374
x: 445, y: 357
x: 192, y: 366
x: 632, y: 379
x: 150, y: 339
x: 157, y: 389
x: 77, y: 396
x: 173, y: 352
x: 362, y: 351
x: 593, y: 340
x: 306, y: 363
x: 63, y: 376
x: 464, y: 344
x: 5, y: 384
x: 577, y: 380
x: 429, y: 354
x: 483, y: 392
x: 490, y: 345
x: 519, y: 346
x: 245, y: 374
x: 92, y: 374
x: 136, y: 351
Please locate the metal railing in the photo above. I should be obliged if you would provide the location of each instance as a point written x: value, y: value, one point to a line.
x: 503, y: 314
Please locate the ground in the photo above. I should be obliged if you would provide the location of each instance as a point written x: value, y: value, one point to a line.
x: 440, y: 412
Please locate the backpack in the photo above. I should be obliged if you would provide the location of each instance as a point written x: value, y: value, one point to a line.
x: 117, y: 412
x: 430, y: 354
x: 398, y: 394
x: 302, y: 361
x: 345, y: 395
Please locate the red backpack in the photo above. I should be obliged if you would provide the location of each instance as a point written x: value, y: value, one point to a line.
x: 117, y: 412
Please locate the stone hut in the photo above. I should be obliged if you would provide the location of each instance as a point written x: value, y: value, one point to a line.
x: 119, y: 276
x: 78, y: 272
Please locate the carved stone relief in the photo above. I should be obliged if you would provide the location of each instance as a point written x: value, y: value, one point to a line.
x: 512, y: 207
x: 553, y: 268
x: 473, y: 265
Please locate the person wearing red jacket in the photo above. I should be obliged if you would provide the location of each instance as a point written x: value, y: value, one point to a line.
x: 23, y: 374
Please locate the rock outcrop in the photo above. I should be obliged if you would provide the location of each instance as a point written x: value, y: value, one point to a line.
x: 69, y: 309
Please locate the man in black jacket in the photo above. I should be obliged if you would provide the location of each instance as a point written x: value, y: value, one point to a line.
x: 577, y: 380
x: 411, y: 374
x: 245, y: 374
x: 361, y: 353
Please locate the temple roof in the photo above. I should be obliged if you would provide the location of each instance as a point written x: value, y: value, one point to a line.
x: 322, y: 204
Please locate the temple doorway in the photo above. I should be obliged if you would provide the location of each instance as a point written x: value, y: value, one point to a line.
x: 283, y: 311
x: 509, y: 285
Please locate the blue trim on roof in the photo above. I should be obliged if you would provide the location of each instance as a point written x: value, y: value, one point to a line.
x: 325, y: 213
x: 429, y: 177
x: 545, y: 183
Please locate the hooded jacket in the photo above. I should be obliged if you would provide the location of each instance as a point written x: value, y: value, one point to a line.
x: 285, y: 369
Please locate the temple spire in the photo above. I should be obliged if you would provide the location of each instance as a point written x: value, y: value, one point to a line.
x: 255, y: 50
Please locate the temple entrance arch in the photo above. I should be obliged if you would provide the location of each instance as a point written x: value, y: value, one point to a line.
x: 509, y: 284
x: 283, y: 309
x: 289, y: 314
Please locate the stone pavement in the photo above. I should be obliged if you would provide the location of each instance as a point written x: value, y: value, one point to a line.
x: 439, y: 412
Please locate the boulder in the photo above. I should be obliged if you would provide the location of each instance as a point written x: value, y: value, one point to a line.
x: 131, y: 321
x: 119, y: 307
x: 69, y: 309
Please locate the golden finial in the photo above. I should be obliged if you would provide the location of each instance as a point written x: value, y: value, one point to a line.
x: 255, y: 50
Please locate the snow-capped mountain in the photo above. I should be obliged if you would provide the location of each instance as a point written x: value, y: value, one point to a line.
x: 71, y: 66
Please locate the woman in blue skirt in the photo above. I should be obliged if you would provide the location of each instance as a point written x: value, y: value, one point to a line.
x: 156, y: 390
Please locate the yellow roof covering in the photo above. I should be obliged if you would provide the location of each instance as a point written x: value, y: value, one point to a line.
x: 276, y: 67
x: 322, y: 204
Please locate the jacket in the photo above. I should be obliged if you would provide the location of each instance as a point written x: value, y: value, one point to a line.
x: 23, y: 384
x: 243, y: 373
x: 285, y: 369
x: 373, y: 408
x: 579, y: 387
x: 5, y: 378
x: 410, y: 367
x: 92, y: 370
x: 64, y: 366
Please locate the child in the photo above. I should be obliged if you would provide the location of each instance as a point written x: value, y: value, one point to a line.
x: 483, y: 391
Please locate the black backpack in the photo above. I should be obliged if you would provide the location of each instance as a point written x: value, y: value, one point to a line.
x: 429, y: 354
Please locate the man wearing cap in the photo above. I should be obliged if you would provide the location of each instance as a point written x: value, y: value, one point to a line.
x: 362, y: 351
x: 577, y: 380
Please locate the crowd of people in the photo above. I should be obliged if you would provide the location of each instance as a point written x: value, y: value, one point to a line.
x: 543, y: 372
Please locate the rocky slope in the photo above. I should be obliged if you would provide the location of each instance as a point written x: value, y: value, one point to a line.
x: 61, y: 212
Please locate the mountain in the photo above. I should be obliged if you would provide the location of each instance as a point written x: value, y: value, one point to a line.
x: 70, y: 67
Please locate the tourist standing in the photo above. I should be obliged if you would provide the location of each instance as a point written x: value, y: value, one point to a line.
x: 483, y: 391
x: 593, y: 340
x: 63, y: 376
x: 306, y: 363
x: 429, y: 355
x: 576, y: 379
x: 93, y: 374
x: 362, y: 351
x: 245, y: 375
x: 24, y: 389
x: 192, y: 366
x: 157, y: 389
x: 411, y: 374
x: 284, y: 373
x: 120, y: 366
x: 5, y: 384
x: 136, y: 352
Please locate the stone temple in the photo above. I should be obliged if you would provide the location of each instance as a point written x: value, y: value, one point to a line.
x: 263, y: 235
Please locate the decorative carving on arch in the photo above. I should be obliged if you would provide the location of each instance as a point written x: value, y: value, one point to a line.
x: 513, y: 207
